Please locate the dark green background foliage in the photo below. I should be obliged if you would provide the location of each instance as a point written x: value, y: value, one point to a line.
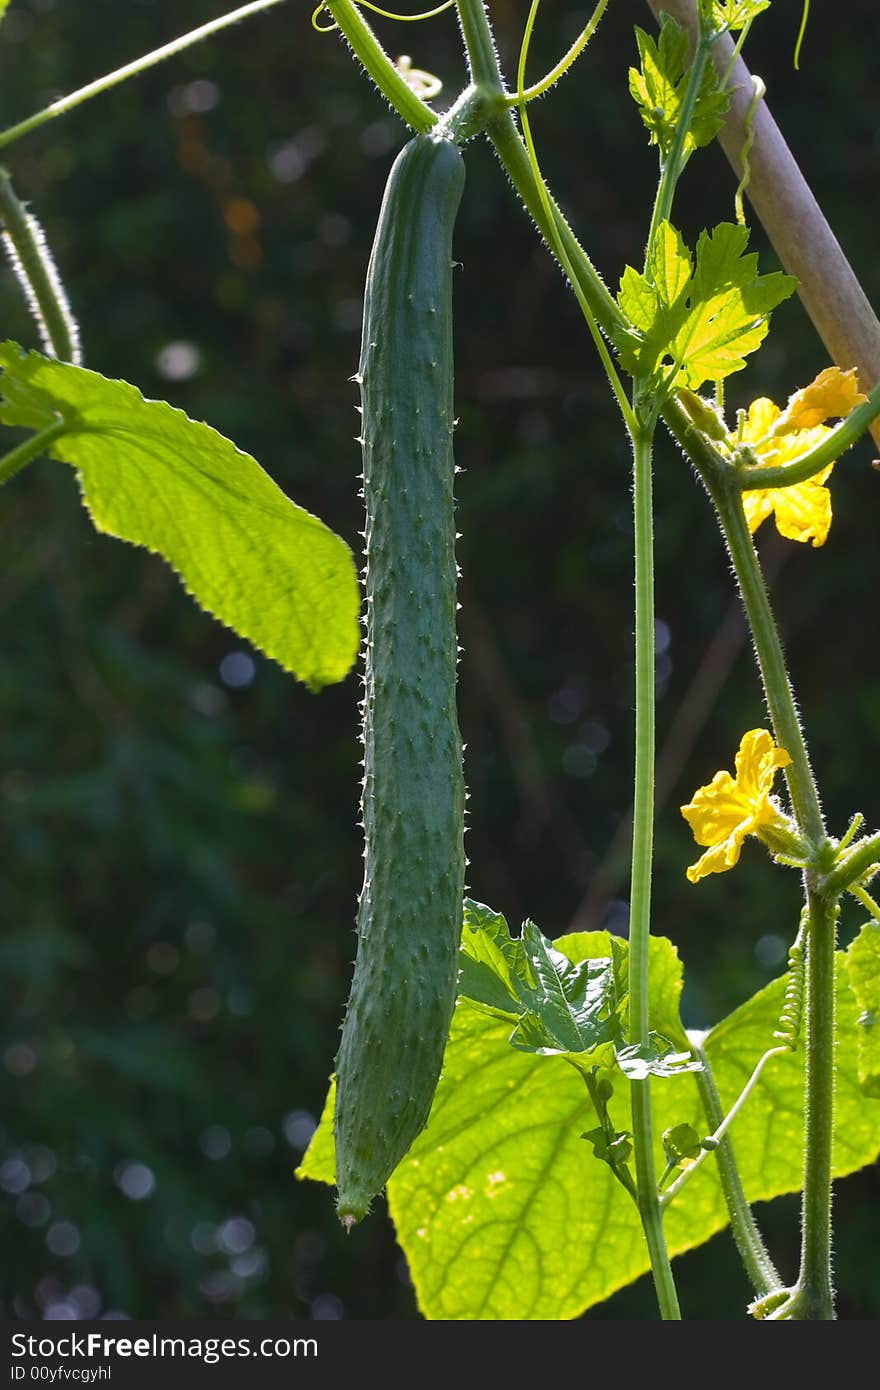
x: 181, y: 860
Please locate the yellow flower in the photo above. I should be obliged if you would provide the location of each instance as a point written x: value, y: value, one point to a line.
x: 722, y: 814
x: 803, y: 510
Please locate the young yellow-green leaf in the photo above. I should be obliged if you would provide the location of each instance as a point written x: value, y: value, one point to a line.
x: 729, y: 307
x: 697, y: 325
x: 736, y: 14
x: 655, y: 303
x: 149, y: 475
x: 669, y: 266
x: 642, y: 305
x: 4, y: 5
x: 863, y: 962
x: 658, y: 89
x: 499, y: 1205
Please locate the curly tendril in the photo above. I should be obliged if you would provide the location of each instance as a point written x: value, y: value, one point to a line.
x: 553, y: 76
x: 385, y: 14
x: 788, y: 1028
x: 551, y: 213
x: 759, y: 93
x: 424, y: 84
x: 800, y: 38
x: 322, y: 28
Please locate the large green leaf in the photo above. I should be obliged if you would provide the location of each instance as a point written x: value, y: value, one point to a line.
x: 863, y: 960
x: 149, y: 475
x: 500, y: 1205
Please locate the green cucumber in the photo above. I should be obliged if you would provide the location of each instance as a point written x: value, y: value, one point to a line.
x: 410, y: 910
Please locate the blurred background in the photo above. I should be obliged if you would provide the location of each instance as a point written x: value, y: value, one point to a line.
x: 181, y: 859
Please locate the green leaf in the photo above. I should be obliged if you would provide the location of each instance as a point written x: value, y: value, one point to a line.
x: 729, y: 307
x: 659, y: 86
x: 616, y: 1150
x: 492, y: 972
x: 319, y: 1159
x: 670, y: 268
x: 502, y: 1212
x: 4, y: 5
x: 681, y: 1144
x: 697, y: 325
x: 736, y: 14
x: 863, y: 962
x: 641, y: 303
x: 561, y: 1007
x: 151, y: 476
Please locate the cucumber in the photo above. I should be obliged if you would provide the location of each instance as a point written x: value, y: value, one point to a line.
x: 410, y: 908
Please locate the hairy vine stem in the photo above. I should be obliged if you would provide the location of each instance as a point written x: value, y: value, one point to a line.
x: 812, y: 1297
x: 749, y: 1242
x: 38, y: 277
x: 642, y: 860
x: 771, y: 661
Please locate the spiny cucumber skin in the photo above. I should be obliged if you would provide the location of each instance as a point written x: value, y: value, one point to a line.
x: 410, y: 909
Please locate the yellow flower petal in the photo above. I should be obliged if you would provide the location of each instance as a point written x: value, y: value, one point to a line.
x: 761, y: 417
x: 757, y: 506
x: 803, y: 512
x: 728, y: 809
x: 754, y: 750
x: 832, y: 395
x: 716, y: 810
x: 722, y: 857
x: 768, y: 759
